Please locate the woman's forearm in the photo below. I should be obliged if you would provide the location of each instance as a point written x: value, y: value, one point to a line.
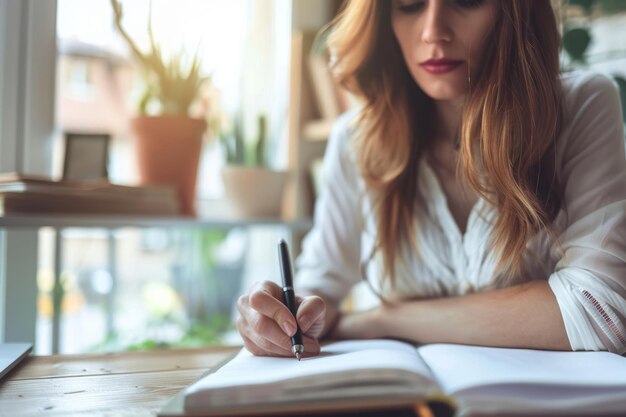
x: 525, y: 316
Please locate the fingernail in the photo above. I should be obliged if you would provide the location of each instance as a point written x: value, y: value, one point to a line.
x: 288, y: 328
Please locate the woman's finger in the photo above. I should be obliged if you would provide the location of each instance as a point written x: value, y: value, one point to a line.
x: 264, y: 346
x: 266, y: 298
x: 251, y: 346
x: 312, y: 310
x: 267, y: 329
x: 259, y: 346
x: 311, y: 347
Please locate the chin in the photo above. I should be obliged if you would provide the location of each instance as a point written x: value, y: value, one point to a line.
x: 442, y: 89
x: 442, y: 94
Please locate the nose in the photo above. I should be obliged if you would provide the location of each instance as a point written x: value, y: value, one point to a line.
x: 436, y: 27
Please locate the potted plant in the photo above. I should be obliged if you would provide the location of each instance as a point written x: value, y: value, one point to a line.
x: 253, y: 190
x: 168, y: 144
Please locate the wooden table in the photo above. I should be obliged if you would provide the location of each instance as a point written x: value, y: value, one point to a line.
x: 116, y: 384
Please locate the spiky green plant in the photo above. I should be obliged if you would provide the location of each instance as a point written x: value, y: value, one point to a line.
x: 168, y: 80
x: 238, y: 152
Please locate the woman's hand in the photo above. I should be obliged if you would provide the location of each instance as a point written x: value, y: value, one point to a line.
x: 266, y: 324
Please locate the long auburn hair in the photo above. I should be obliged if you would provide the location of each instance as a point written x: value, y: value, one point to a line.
x: 511, y: 118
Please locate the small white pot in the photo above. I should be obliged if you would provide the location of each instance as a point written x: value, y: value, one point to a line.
x: 254, y: 192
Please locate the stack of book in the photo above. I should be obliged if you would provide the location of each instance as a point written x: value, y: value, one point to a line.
x: 24, y: 194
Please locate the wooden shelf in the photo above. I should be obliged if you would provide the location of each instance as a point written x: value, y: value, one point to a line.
x: 115, y: 222
x: 212, y: 215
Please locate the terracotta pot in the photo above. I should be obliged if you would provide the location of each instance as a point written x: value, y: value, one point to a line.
x: 254, y: 192
x: 168, y: 152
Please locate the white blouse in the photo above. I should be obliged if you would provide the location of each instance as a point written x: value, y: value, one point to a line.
x: 587, y: 274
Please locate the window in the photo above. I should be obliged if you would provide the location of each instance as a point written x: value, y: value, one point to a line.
x: 141, y: 288
x: 109, y: 276
x: 593, y: 39
x: 80, y: 84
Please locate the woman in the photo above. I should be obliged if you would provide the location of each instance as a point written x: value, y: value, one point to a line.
x: 479, y: 191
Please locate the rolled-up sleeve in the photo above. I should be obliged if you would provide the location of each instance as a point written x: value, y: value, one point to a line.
x: 329, y: 263
x: 589, y: 280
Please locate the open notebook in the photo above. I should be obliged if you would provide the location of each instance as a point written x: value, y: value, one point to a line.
x: 372, y: 373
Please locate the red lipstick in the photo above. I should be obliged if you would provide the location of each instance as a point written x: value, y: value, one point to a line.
x: 441, y: 65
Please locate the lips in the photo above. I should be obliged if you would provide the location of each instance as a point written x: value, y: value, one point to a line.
x: 440, y: 66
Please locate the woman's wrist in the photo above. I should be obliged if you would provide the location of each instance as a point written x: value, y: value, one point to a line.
x: 395, y: 320
x: 358, y: 325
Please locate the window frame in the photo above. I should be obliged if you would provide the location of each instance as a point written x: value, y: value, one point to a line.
x: 27, y: 85
x: 27, y: 106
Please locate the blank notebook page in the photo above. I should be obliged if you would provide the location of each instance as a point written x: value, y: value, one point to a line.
x: 341, y: 357
x: 457, y: 367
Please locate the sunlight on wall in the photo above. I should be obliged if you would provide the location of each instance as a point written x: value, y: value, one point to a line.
x: 216, y: 28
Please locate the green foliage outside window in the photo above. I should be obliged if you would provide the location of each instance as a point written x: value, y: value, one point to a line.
x: 577, y: 37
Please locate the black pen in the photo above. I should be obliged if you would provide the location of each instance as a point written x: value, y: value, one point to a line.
x: 289, y: 295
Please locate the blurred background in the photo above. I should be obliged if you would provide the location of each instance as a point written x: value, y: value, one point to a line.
x: 256, y: 80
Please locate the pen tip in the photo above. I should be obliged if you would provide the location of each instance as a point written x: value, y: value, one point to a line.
x: 298, y: 356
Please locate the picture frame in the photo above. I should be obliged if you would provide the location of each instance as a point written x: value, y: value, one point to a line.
x: 86, y: 156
